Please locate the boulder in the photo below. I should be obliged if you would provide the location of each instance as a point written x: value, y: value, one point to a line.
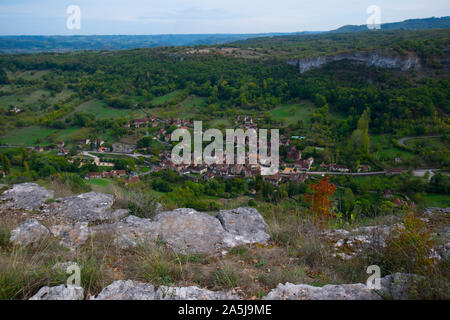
x: 444, y: 250
x: 128, y: 232
x: 25, y: 196
x: 127, y: 290
x: 86, y: 207
x: 187, y: 230
x: 193, y: 293
x: 397, y: 286
x: 29, y: 232
x: 291, y: 291
x: 72, y: 236
x: 135, y: 290
x: 348, y: 244
x: 61, y: 292
x: 246, y: 225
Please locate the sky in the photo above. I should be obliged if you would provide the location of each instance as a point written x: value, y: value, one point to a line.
x: 49, y: 17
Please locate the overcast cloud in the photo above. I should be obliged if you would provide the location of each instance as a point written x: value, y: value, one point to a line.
x: 48, y: 17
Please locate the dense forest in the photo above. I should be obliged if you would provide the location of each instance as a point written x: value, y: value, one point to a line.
x: 363, y: 179
x: 350, y: 113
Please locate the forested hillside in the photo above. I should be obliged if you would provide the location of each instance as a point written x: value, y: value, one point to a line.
x: 364, y: 155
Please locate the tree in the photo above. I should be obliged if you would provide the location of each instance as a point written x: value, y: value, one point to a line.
x: 6, y: 164
x: 360, y: 137
x: 3, y: 77
x: 319, y: 199
x: 348, y: 203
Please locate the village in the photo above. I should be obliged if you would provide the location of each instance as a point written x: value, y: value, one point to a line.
x: 293, y: 167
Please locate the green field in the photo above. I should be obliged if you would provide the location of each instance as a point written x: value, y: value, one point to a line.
x: 193, y: 102
x: 382, y: 139
x: 393, y: 152
x: 6, y: 88
x: 101, y: 185
x: 438, y: 200
x: 27, y: 136
x: 220, y: 122
x: 72, y: 133
x: 292, y: 113
x: 166, y: 98
x: 60, y: 97
x: 191, y: 107
x: 433, y: 143
x: 385, y: 147
x: 24, y: 98
x: 102, y: 111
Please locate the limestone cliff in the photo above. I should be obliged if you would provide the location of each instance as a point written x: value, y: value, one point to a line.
x: 381, y: 59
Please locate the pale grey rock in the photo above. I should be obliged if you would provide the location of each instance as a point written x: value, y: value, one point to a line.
x: 127, y: 290
x: 87, y: 207
x: 72, y: 236
x: 61, y: 292
x: 193, y: 293
x: 444, y: 251
x: 29, y: 232
x: 335, y: 233
x: 26, y: 196
x: 348, y: 244
x: 377, y: 58
x: 246, y: 225
x: 135, y: 290
x: 291, y: 291
x: 2, y: 186
x: 397, y: 286
x: 446, y: 232
x: 187, y: 230
x: 129, y: 232
x: 433, y: 211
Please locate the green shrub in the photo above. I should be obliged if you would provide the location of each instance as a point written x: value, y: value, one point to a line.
x: 226, y: 278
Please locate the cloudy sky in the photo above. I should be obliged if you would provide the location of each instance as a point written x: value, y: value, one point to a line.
x: 49, y: 17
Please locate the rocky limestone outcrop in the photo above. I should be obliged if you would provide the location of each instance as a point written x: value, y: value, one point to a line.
x: 72, y: 236
x: 396, y: 286
x: 433, y: 211
x: 25, y: 196
x: 86, y: 207
x: 61, y: 292
x: 29, y: 232
x: 376, y: 58
x: 347, y: 244
x: 78, y: 217
x: 291, y: 291
x: 127, y: 290
x: 193, y: 293
x: 135, y: 290
x: 190, y: 231
x: 245, y: 224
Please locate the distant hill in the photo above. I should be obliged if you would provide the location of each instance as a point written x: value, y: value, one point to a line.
x: 35, y: 44
x: 411, y: 24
